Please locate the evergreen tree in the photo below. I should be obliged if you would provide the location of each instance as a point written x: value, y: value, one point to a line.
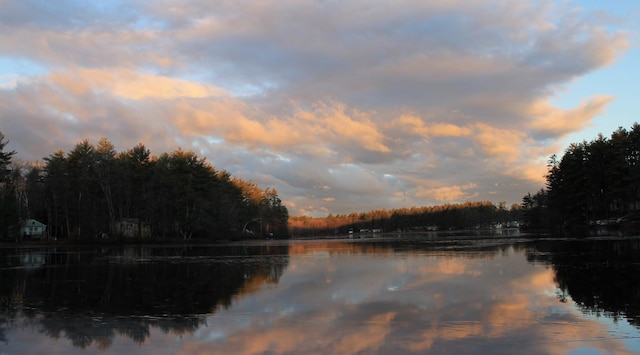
x: 9, y: 217
x: 595, y: 182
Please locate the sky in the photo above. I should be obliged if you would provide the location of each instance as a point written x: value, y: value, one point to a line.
x: 341, y: 106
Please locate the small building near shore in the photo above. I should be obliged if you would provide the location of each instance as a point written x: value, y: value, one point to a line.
x: 33, y: 229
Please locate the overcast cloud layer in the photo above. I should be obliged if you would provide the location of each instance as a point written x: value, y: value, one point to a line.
x: 340, y: 105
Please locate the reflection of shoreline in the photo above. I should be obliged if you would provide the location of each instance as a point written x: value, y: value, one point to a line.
x: 418, y: 291
x: 90, y: 296
x: 434, y: 243
x: 100, y: 330
x: 360, y: 299
x: 463, y: 233
x: 600, y: 274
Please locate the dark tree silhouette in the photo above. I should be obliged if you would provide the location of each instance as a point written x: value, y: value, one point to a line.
x: 595, y: 182
x: 8, y: 202
x: 95, y: 192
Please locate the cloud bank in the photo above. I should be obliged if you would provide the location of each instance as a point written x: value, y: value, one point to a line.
x: 341, y: 106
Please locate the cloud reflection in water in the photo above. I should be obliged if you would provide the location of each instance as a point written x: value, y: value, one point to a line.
x: 450, y: 295
x: 356, y: 298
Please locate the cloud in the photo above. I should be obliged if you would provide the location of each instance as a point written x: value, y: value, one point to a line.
x: 457, y: 193
x: 550, y: 121
x: 413, y: 125
x: 131, y: 85
x: 8, y: 81
x: 497, y: 142
x: 450, y: 98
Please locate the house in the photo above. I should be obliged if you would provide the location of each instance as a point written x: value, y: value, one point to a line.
x: 33, y: 229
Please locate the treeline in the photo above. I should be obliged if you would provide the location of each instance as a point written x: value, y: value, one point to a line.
x: 594, y: 182
x: 469, y: 215
x: 93, y: 191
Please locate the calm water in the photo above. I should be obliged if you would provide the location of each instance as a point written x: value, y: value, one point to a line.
x: 426, y: 294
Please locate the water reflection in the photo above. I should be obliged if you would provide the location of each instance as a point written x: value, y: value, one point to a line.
x: 426, y: 297
x: 599, y: 274
x: 90, y: 296
x: 460, y: 294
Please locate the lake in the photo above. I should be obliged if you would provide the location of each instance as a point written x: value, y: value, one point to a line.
x: 431, y: 293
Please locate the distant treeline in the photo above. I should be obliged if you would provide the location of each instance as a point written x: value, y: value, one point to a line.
x: 93, y: 191
x: 594, y: 183
x: 469, y: 215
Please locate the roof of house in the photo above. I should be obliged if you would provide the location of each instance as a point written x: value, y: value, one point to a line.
x: 33, y: 223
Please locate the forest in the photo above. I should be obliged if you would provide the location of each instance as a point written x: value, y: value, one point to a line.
x: 595, y: 183
x: 468, y: 215
x: 94, y: 192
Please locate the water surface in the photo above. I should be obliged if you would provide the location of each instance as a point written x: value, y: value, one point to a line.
x: 424, y: 294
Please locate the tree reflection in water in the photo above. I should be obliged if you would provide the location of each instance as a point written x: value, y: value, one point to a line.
x: 599, y: 274
x: 90, y: 296
x: 428, y: 292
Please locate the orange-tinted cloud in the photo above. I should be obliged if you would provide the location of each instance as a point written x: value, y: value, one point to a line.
x: 131, y: 85
x: 411, y: 125
x: 553, y: 121
x: 498, y: 142
x: 448, y: 193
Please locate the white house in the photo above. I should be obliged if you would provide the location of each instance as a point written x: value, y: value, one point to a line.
x: 32, y: 228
